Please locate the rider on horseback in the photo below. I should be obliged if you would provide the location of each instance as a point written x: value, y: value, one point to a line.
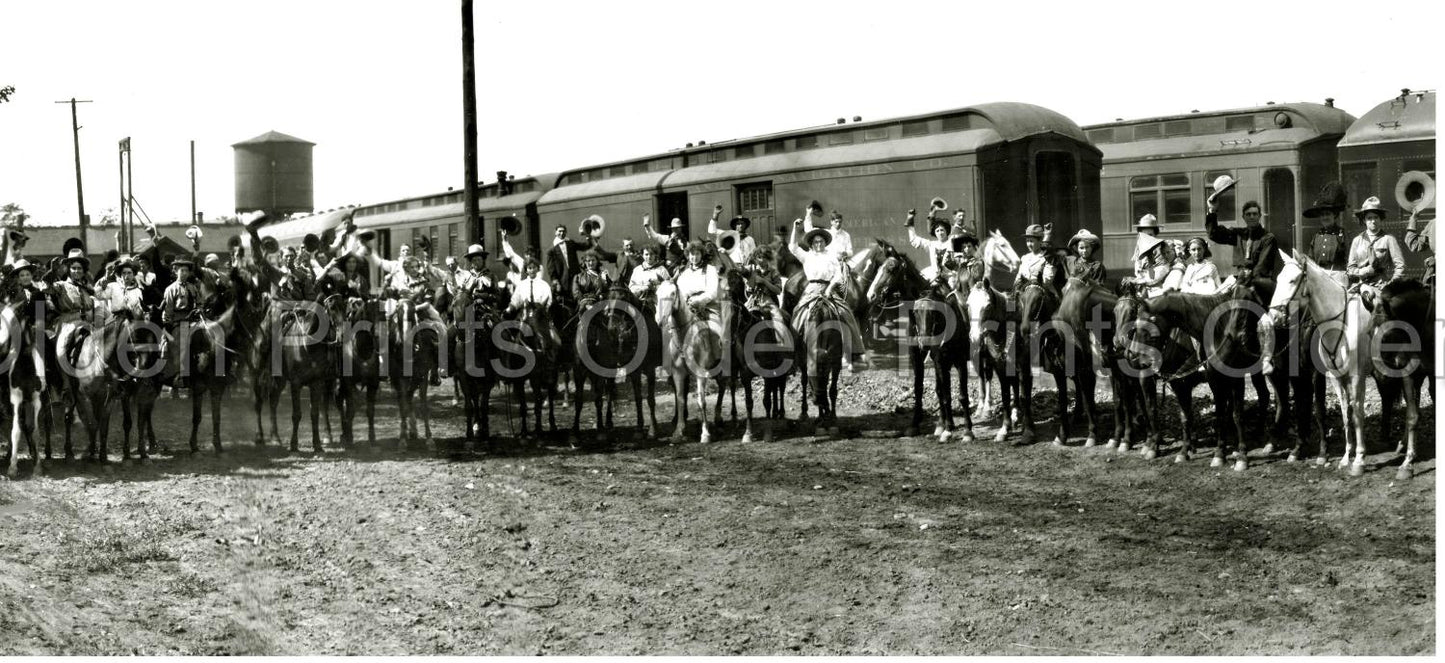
x: 827, y: 275
x: 645, y: 278
x: 762, y: 285
x: 698, y: 283
x: 180, y: 303
x: 1083, y: 262
x: 1035, y: 267
x: 590, y: 284
x: 939, y: 249
x: 1375, y: 255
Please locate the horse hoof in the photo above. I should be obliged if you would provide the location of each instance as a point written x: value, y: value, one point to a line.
x: 705, y: 438
x: 1026, y: 437
x: 1293, y: 458
x: 1090, y: 443
x: 1111, y: 444
x: 1269, y: 449
x: 1216, y: 462
x: 1403, y: 474
x: 677, y: 439
x: 1181, y: 458
x: 1150, y: 454
x: 1358, y: 469
x: 943, y: 436
x: 966, y: 437
x: 1058, y: 440
x: 938, y: 430
x: 999, y: 437
x: 747, y: 438
x: 1123, y: 447
x: 1321, y: 461
x: 911, y: 431
x: 1241, y: 465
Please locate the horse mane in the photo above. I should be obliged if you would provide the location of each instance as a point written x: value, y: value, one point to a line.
x: 1077, y: 300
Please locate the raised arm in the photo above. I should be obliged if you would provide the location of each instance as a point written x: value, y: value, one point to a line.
x: 793, y: 241
x: 649, y: 232
x: 712, y: 228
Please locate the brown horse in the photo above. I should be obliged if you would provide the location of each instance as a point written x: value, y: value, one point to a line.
x: 1147, y: 353
x: 207, y: 347
x: 1404, y: 317
x: 363, y: 344
x: 530, y: 348
x: 631, y: 329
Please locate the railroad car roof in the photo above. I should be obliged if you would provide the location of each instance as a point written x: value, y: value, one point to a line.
x: 294, y: 230
x: 513, y: 203
x: 1325, y: 119
x: 1207, y: 133
x: 1406, y: 117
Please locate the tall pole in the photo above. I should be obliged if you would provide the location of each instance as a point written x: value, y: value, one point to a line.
x: 124, y: 205
x: 129, y: 197
x: 193, y: 182
x: 79, y: 189
x: 469, y: 122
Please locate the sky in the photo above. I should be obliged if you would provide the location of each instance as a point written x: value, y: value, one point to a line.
x: 561, y: 84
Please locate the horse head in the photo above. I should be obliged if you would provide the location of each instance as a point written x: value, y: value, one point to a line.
x: 984, y: 306
x: 998, y: 254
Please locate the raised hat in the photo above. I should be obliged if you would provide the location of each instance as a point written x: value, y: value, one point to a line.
x: 676, y: 223
x: 745, y: 222
x: 476, y: 250
x: 1223, y: 183
x: 1147, y: 221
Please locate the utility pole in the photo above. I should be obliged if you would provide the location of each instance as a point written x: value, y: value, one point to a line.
x: 124, y: 208
x: 469, y: 123
x: 193, y: 183
x: 79, y: 190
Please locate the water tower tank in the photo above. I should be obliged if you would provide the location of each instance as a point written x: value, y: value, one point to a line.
x: 273, y: 173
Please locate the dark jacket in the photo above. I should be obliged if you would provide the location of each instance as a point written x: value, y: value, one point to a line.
x: 1255, y: 249
x: 1330, y: 248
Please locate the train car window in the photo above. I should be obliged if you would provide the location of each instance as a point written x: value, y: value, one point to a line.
x: 1359, y: 181
x: 959, y: 122
x: 717, y: 156
x: 1239, y: 123
x: 1176, y: 206
x: 1146, y: 131
x: 1144, y: 182
x: 1141, y: 203
x: 1099, y: 136
x: 1227, y: 201
x: 1170, y: 193
x: 841, y: 138
x: 880, y: 133
x: 617, y: 171
x: 918, y: 128
x: 595, y: 175
x: 1174, y: 180
x: 805, y: 142
x: 435, y: 243
x: 1176, y: 128
x: 743, y: 152
x: 774, y: 147
x: 452, y: 248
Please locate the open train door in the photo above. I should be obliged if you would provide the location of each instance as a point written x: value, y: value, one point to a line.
x: 1279, y: 206
x: 671, y: 206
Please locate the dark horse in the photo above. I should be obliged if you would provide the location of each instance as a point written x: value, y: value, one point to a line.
x: 1406, y: 359
x: 26, y: 377
x: 1225, y: 355
x: 1084, y: 308
x: 632, y: 334
x: 599, y: 369
x: 207, y: 346
x: 414, y: 354
x: 531, y: 347
x: 309, y: 355
x: 470, y: 341
x: 1147, y: 354
x: 363, y: 344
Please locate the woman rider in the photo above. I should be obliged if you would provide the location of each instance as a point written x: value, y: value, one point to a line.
x: 827, y: 276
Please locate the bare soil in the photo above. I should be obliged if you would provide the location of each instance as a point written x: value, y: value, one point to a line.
x: 872, y: 544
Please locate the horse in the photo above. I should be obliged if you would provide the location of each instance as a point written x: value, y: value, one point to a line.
x: 630, y: 329
x: 1001, y: 263
x: 414, y: 354
x: 532, y: 345
x: 1404, y: 316
x: 211, y: 363
x: 1144, y: 356
x: 1036, y: 306
x: 1082, y: 353
x: 25, y: 377
x: 1226, y: 355
x: 823, y: 346
x: 594, y: 345
x: 693, y: 345
x: 471, y: 347
x: 992, y: 330
x: 362, y: 347
x: 1345, y: 327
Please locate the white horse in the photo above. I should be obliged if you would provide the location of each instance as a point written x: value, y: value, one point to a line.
x: 26, y: 380
x: 692, y: 348
x: 1001, y: 262
x: 1344, y: 332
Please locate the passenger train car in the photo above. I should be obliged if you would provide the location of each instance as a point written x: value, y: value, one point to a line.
x: 1281, y: 154
x: 1390, y: 153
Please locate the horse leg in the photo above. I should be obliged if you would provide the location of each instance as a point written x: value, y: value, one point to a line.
x: 103, y: 422
x: 960, y: 362
x: 29, y: 431
x: 295, y: 415
x: 944, y: 388
x: 651, y: 403
x: 259, y: 404
x: 747, y: 385
x: 1084, y: 382
x: 1389, y: 389
x: 316, y: 387
x: 1357, y: 394
x: 985, y: 387
x: 17, y: 396
x: 346, y: 406
x: 599, y: 389
x: 679, y: 413
x: 371, y: 390
x: 1412, y: 417
x: 146, y: 433
x: 273, y: 396
x: 328, y: 396
x: 1025, y: 381
x: 915, y: 364
x: 520, y: 388
x: 701, y: 383
x: 635, y: 382
x: 1337, y: 384
x: 803, y: 387
x: 1061, y: 385
x: 1184, y: 394
x: 126, y: 401
x: 425, y: 393
x: 576, y: 411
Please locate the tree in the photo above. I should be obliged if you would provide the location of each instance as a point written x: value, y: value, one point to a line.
x: 11, y: 214
x: 5, y: 93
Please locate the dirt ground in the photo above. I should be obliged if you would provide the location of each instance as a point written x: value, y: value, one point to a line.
x: 873, y: 544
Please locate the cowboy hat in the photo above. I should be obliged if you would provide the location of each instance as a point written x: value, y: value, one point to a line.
x: 1331, y: 199
x: 253, y: 220
x: 70, y: 245
x: 210, y: 258
x: 1371, y: 204
x: 76, y: 255
x: 817, y: 232
x: 475, y: 250
x: 727, y: 239
x: 18, y: 236
x: 1206, y: 253
x: 1147, y: 221
x: 1085, y: 236
x: 676, y: 223
x: 25, y: 265
x: 369, y: 234
x: 182, y: 261
x: 1221, y: 184
x: 1035, y: 231
x: 123, y: 263
x: 270, y: 245
x: 744, y: 221
x: 311, y: 242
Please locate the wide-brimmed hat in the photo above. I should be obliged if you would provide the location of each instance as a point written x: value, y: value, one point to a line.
x: 817, y: 232
x: 1085, y: 236
x: 25, y: 265
x: 1332, y: 198
x: 676, y: 223
x: 182, y: 261
x: 70, y: 245
x: 270, y: 245
x: 1147, y: 221
x: 743, y: 221
x: 125, y: 262
x: 1371, y: 204
x: 964, y: 237
x: 1202, y: 242
x: 475, y: 250
x: 364, y: 235
x: 253, y: 220
x: 1035, y: 231
x: 311, y: 242
x: 1145, y: 244
x: 76, y: 255
x: 1223, y: 183
x: 210, y: 258
x: 18, y: 236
